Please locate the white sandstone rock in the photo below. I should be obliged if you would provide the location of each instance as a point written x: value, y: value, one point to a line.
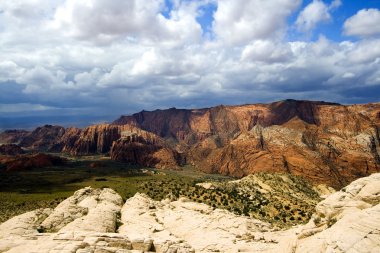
x: 346, y: 221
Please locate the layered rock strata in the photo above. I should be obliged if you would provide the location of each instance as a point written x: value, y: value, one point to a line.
x: 324, y: 142
x: 150, y: 152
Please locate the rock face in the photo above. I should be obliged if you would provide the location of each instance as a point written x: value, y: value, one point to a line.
x: 67, y: 140
x: 42, y: 138
x: 346, y: 221
x: 30, y: 161
x: 99, y: 138
x: 151, y: 152
x: 85, y: 222
x: 87, y: 210
x: 11, y: 149
x: 324, y: 142
x: 12, y: 136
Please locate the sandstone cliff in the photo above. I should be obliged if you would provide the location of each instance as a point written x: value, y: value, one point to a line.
x: 324, y: 142
x: 42, y: 138
x: 99, y: 138
x: 96, y: 220
x: 134, y: 148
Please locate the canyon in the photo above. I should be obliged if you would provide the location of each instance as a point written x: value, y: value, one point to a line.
x: 323, y: 142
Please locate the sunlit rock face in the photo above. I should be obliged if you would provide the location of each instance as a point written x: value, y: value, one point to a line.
x: 97, y: 220
x: 323, y: 142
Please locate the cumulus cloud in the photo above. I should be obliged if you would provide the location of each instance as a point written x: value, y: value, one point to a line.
x: 266, y: 51
x: 105, y: 21
x: 40, y: 80
x: 314, y: 13
x: 26, y: 11
x: 241, y: 21
x: 335, y: 4
x: 116, y: 57
x: 9, y: 71
x: 364, y: 23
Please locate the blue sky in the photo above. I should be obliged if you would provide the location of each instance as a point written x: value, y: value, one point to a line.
x: 78, y: 62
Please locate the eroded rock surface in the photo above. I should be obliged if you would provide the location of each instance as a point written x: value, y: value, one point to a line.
x: 346, y: 221
x: 151, y: 152
x: 30, y: 161
x: 323, y: 142
x: 11, y: 149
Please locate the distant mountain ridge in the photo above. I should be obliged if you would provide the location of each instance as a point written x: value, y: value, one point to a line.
x: 324, y: 142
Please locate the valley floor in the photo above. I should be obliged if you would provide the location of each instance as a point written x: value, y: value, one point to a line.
x: 280, y: 199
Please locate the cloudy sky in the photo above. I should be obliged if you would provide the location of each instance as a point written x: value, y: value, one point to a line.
x: 87, y: 61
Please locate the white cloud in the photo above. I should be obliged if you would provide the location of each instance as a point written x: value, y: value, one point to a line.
x: 123, y: 56
x: 88, y: 79
x: 266, y: 51
x: 314, y: 13
x: 10, y: 71
x: 364, y: 23
x: 238, y: 22
x: 104, y: 21
x: 40, y: 80
x: 23, y: 12
x: 335, y: 4
x: 365, y: 52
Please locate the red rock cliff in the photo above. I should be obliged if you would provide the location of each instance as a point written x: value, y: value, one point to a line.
x: 324, y: 142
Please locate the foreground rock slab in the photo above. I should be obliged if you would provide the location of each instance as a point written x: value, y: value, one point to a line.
x: 96, y: 220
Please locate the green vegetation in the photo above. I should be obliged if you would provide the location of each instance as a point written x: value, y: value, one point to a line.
x: 40, y: 188
x: 278, y: 198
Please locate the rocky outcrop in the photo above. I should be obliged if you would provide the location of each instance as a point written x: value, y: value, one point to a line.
x: 11, y: 149
x: 99, y: 138
x: 151, y: 152
x: 324, y: 142
x: 94, y: 139
x: 45, y: 138
x: 42, y: 138
x: 67, y: 140
x: 30, y: 161
x: 12, y: 136
x: 86, y: 222
x: 346, y: 221
x: 87, y: 210
x: 225, y: 121
x: 95, y: 220
x: 294, y: 147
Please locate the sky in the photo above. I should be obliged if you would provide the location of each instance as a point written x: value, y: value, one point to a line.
x: 80, y: 62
